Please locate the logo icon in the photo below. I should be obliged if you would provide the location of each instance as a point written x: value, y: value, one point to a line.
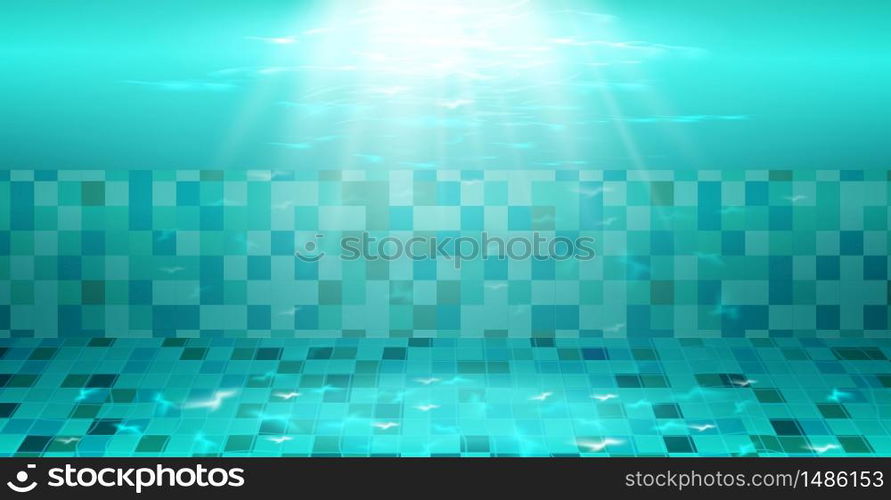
x: 311, y: 251
x: 21, y: 477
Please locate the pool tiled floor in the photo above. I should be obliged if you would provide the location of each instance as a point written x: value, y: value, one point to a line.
x: 445, y: 397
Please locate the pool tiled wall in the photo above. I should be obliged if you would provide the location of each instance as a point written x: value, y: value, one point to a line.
x: 198, y: 253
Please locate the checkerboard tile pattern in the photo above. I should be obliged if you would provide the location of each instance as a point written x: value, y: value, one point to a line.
x: 445, y: 397
x: 202, y: 253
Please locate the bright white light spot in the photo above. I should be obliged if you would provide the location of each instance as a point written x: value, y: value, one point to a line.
x: 444, y: 38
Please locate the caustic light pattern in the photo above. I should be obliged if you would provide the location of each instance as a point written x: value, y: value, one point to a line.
x: 445, y: 397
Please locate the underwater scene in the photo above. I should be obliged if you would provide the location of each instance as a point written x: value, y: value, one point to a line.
x: 496, y: 228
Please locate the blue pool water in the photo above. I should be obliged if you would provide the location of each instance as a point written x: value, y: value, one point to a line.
x: 493, y: 84
x: 179, y: 182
